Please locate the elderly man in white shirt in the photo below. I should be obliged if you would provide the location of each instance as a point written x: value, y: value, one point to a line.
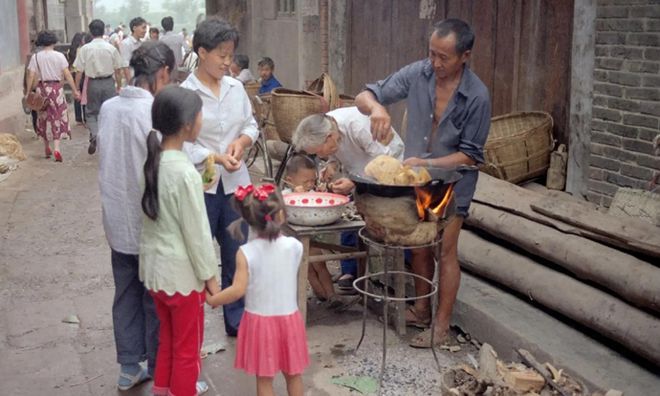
x: 228, y: 129
x: 138, y: 28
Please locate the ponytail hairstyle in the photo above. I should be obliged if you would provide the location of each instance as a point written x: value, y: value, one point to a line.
x: 147, y: 60
x: 259, y: 208
x: 173, y: 108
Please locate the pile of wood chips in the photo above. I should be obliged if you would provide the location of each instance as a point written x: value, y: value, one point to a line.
x: 496, y: 378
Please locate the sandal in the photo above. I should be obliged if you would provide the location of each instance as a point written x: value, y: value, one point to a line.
x: 127, y: 381
x: 201, y: 387
x: 423, y: 340
x: 413, y: 319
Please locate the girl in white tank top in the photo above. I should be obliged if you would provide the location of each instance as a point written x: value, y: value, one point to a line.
x: 271, y: 336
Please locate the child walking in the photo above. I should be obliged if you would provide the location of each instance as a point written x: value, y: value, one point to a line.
x: 177, y: 260
x: 271, y: 337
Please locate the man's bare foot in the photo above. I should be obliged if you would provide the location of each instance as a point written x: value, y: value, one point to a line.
x: 423, y: 339
x: 419, y: 320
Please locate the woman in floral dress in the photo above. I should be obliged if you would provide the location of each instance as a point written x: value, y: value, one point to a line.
x: 48, y: 68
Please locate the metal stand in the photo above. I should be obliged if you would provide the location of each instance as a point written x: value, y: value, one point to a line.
x: 387, y: 254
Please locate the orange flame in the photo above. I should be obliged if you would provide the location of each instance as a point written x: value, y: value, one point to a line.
x: 425, y: 201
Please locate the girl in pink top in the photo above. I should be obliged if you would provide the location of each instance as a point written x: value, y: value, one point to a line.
x: 271, y: 336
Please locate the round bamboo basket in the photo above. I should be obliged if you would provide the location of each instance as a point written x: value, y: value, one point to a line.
x: 518, y: 146
x: 289, y: 107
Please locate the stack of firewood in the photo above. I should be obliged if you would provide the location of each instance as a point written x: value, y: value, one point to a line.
x: 598, y: 270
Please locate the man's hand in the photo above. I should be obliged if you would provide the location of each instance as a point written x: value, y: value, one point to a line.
x: 381, y: 124
x: 342, y: 186
x: 414, y: 161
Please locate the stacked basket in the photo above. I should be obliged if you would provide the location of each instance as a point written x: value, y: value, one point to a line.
x: 289, y: 106
x: 519, y: 146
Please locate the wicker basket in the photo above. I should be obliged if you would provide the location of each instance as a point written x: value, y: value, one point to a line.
x: 518, y: 146
x: 289, y: 107
x: 346, y: 100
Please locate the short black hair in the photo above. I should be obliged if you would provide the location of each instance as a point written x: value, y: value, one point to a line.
x: 153, y: 29
x: 460, y: 28
x: 298, y: 162
x: 97, y: 28
x: 167, y: 23
x: 46, y: 38
x: 137, y: 21
x: 242, y: 61
x: 213, y: 32
x: 266, y: 61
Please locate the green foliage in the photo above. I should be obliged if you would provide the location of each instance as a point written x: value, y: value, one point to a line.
x: 184, y: 12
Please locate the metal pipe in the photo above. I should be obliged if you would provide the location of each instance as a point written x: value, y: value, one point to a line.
x: 323, y: 28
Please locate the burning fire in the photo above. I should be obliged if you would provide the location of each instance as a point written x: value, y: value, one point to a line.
x: 435, y: 204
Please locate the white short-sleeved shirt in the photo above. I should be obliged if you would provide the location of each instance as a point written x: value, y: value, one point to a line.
x: 224, y: 119
x: 272, y: 275
x: 97, y: 59
x: 129, y: 45
x: 175, y: 42
x: 51, y: 65
x: 357, y: 146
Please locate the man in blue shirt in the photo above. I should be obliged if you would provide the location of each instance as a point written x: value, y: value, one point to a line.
x: 448, y: 123
x: 268, y: 80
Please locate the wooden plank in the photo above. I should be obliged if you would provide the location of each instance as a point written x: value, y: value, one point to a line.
x: 581, y: 89
x: 512, y: 198
x: 634, y: 280
x: 640, y: 236
x: 505, y: 59
x: 336, y: 256
x: 484, y: 17
x: 636, y: 330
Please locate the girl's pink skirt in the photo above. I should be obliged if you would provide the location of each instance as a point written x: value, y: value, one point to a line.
x: 269, y: 344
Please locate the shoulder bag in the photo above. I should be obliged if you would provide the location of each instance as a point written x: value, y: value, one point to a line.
x: 35, y: 100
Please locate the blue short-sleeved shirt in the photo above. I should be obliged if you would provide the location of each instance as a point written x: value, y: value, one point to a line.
x: 463, y: 127
x: 269, y: 85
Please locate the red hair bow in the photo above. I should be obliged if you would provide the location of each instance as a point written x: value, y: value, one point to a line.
x: 242, y: 192
x: 262, y: 192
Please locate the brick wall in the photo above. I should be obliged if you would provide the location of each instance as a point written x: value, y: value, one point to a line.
x: 626, y: 100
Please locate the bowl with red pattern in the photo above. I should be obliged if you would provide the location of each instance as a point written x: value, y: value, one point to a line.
x: 314, y: 208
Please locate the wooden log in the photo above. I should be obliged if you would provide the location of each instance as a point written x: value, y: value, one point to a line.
x: 635, y: 280
x: 512, y: 198
x: 634, y: 329
x: 639, y: 235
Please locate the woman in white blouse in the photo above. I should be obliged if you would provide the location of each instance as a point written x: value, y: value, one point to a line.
x: 48, y: 68
x: 228, y: 129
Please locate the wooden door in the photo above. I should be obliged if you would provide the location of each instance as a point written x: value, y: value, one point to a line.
x: 522, y: 49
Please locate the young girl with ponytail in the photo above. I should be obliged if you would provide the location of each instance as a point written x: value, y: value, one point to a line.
x: 271, y: 337
x: 124, y: 122
x: 177, y: 260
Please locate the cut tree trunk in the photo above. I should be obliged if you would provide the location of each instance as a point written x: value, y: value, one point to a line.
x: 635, y: 280
x: 512, y: 198
x: 606, y: 314
x: 636, y: 234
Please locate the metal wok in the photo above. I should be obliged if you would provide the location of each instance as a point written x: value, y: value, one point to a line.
x: 441, y: 179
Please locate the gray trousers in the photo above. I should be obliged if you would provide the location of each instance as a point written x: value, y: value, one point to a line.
x: 98, y: 91
x: 133, y: 314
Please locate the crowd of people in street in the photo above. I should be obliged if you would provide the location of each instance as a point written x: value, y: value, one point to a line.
x: 155, y: 137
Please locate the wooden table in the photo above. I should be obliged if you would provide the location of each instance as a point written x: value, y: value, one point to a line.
x: 305, y: 234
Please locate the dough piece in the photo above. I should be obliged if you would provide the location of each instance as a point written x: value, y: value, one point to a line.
x: 406, y: 177
x: 384, y: 169
x: 423, y: 176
